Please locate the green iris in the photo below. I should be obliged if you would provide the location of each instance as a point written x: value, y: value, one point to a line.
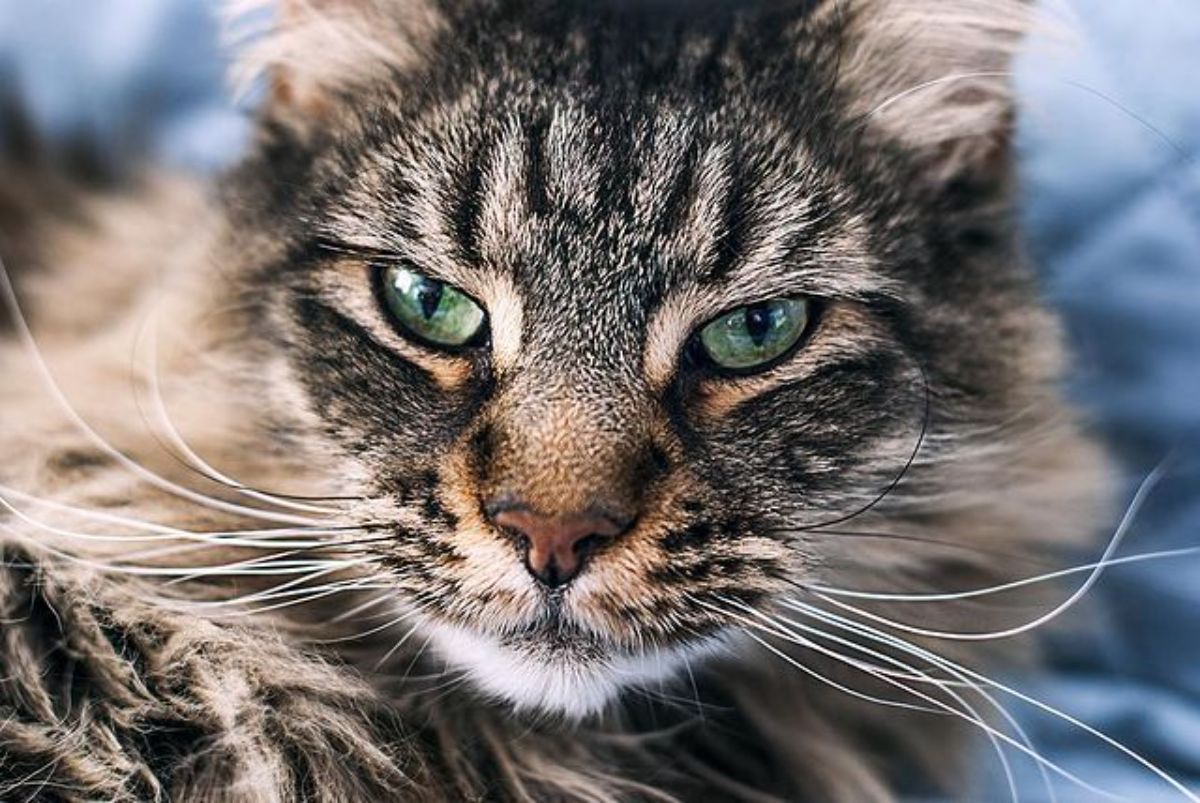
x: 753, y: 336
x: 431, y: 310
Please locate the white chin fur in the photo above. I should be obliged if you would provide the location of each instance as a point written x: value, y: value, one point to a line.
x: 563, y: 684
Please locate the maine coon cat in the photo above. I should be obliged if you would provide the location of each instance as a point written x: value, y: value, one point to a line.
x: 520, y: 418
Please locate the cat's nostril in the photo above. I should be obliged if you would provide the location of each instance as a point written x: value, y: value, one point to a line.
x: 558, y: 546
x: 586, y: 546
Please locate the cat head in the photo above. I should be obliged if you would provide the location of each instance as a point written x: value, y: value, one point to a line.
x: 624, y: 313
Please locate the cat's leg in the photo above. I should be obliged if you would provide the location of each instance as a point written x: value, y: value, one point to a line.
x: 104, y: 696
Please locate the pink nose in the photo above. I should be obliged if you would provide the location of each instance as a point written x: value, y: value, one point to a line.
x: 558, y: 545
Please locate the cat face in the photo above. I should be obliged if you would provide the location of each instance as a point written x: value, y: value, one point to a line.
x: 619, y: 314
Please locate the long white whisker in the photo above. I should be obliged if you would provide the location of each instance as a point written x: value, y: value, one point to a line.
x: 1052, y: 766
x: 301, y: 599
x: 396, y: 648
x: 808, y: 670
x: 1032, y: 701
x: 143, y: 556
x: 377, y: 629
x: 907, y: 648
x: 912, y: 674
x: 1095, y: 569
x: 870, y: 698
x: 269, y: 566
x: 296, y: 588
x: 286, y: 567
x: 25, y: 334
x: 360, y: 609
x: 1122, y: 529
x: 1164, y: 554
x: 187, y: 453
x: 228, y: 539
x: 147, y: 526
x: 211, y: 609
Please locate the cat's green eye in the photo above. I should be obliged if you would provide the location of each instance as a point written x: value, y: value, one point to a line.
x: 754, y: 336
x: 431, y: 310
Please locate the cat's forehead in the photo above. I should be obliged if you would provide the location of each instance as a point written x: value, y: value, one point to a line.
x: 597, y: 205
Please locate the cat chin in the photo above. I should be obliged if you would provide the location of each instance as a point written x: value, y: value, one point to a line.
x: 570, y: 679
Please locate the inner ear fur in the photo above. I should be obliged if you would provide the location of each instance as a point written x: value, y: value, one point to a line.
x: 933, y: 75
x: 311, y: 53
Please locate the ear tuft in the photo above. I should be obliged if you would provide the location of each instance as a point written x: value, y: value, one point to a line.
x: 309, y: 51
x: 935, y: 75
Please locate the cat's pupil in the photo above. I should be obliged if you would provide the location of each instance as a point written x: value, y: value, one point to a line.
x: 759, y: 321
x: 429, y: 296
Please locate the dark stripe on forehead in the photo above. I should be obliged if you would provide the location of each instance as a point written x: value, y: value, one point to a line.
x: 615, y: 192
x: 681, y: 197
x: 736, y: 219
x: 536, y: 173
x: 467, y: 199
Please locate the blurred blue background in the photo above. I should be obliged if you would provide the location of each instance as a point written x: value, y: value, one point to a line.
x: 1109, y: 144
x: 131, y: 78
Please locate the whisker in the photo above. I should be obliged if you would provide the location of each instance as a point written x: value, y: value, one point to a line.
x: 1018, y: 695
x: 25, y: 335
x: 358, y: 610
x: 972, y: 715
x: 687, y: 665
x: 189, y: 456
x: 1139, y: 498
x: 364, y: 634
x: 396, y: 648
x: 914, y: 539
x: 447, y: 687
x: 126, y: 521
x: 374, y: 539
x: 296, y: 548
x: 229, y: 538
x: 909, y: 673
x: 295, y: 592
x: 908, y: 463
x: 324, y: 592
x: 283, y: 567
x: 807, y: 669
x: 292, y: 548
x: 950, y: 710
x: 309, y: 571
x: 1016, y: 584
x: 1144, y: 488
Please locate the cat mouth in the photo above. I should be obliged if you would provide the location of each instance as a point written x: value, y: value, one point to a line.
x: 552, y: 666
x: 555, y: 633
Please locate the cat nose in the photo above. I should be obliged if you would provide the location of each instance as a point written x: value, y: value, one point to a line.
x: 558, y: 546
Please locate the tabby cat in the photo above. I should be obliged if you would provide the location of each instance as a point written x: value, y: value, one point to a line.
x: 545, y: 408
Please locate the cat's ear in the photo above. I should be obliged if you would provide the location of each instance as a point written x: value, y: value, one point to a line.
x: 307, y: 54
x: 934, y: 75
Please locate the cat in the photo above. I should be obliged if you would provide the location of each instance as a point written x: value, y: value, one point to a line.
x: 521, y: 417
